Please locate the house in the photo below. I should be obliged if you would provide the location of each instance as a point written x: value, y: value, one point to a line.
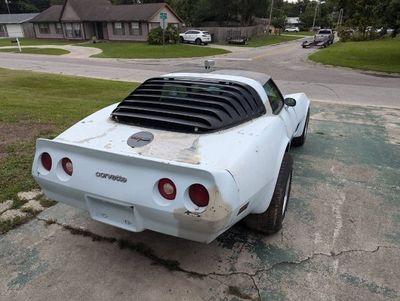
x: 85, y: 19
x: 16, y: 25
x: 293, y: 22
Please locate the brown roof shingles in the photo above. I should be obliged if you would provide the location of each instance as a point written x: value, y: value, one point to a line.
x: 52, y: 14
x: 102, y: 10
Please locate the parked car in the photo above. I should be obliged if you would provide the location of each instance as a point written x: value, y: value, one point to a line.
x: 323, y: 38
x: 195, y: 36
x: 380, y: 30
x: 292, y: 29
x: 185, y: 154
x: 315, y: 28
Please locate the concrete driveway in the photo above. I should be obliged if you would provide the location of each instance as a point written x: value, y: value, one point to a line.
x: 340, y: 240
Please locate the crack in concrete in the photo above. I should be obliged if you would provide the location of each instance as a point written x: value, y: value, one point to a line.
x: 173, y: 265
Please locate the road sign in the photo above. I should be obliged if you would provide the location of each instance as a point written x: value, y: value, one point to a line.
x: 163, y: 24
x: 163, y: 20
x: 163, y: 16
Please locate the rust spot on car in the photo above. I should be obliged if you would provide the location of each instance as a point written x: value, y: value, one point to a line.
x: 213, y: 219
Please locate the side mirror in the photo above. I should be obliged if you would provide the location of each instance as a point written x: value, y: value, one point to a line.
x: 290, y: 102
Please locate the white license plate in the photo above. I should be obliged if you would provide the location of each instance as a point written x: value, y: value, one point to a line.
x: 111, y: 213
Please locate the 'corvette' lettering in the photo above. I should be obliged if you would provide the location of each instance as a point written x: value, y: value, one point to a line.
x: 111, y: 177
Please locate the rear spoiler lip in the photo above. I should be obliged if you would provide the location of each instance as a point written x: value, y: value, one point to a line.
x: 75, y: 147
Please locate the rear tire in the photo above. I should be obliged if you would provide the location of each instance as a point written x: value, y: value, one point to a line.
x: 271, y: 220
x: 198, y: 41
x: 299, y: 141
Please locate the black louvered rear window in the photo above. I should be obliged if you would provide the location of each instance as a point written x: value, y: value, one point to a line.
x: 189, y: 105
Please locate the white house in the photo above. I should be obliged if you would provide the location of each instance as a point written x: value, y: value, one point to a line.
x: 16, y: 25
x: 293, y: 21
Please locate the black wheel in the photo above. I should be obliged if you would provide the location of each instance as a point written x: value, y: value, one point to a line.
x: 198, y: 41
x: 299, y: 141
x: 271, y: 220
x: 181, y: 40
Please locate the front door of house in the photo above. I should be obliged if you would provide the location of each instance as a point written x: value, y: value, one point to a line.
x: 99, y: 31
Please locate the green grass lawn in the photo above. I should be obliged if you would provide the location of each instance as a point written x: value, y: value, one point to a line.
x: 269, y: 40
x: 40, y: 105
x: 126, y: 50
x: 33, y: 50
x: 379, y: 55
x: 33, y: 42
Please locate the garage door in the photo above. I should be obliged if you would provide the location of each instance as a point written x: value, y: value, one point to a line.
x: 15, y: 31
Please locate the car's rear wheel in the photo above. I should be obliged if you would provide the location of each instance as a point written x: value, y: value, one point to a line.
x: 271, y: 220
x: 198, y: 41
x: 299, y: 141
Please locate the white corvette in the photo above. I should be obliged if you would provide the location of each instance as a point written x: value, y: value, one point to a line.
x: 185, y: 154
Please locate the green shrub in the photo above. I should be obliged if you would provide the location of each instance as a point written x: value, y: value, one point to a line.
x: 171, y: 35
x: 347, y: 34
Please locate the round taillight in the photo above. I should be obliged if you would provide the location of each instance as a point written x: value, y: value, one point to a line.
x: 199, y: 195
x: 67, y: 166
x: 167, y: 189
x: 46, y: 161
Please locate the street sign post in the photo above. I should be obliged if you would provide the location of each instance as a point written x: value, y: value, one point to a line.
x: 163, y: 25
x: 163, y: 16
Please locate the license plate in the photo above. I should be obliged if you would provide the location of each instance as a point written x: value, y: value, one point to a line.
x: 111, y: 213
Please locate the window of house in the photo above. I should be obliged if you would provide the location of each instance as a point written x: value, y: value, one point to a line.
x: 44, y: 28
x: 59, y: 28
x: 154, y: 25
x: 274, y: 96
x: 76, y: 27
x: 2, y: 28
x: 118, y: 28
x: 135, y: 29
x: 73, y: 30
x: 68, y: 30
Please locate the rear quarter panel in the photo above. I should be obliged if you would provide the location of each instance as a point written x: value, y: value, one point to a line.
x: 256, y: 167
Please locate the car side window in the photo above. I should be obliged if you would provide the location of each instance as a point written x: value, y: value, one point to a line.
x: 274, y: 95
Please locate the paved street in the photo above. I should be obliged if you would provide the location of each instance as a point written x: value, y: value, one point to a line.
x: 287, y: 63
x: 340, y: 238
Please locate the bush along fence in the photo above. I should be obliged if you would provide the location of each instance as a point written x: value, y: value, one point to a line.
x: 171, y: 35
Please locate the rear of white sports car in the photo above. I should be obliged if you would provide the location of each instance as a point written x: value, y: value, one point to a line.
x: 181, y: 156
x: 146, y: 164
x: 136, y: 193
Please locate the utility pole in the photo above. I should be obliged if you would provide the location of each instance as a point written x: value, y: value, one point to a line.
x: 8, y: 8
x: 315, y: 15
x: 270, y: 15
x: 319, y: 2
x: 340, y: 18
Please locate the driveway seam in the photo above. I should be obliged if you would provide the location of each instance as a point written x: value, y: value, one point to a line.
x: 174, y: 266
